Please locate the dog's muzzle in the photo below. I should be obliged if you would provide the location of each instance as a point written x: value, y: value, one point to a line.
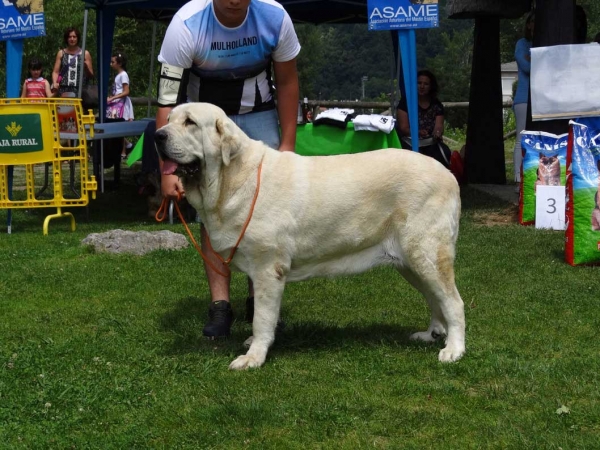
x: 169, y: 166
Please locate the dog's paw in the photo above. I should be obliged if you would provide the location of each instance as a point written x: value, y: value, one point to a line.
x: 248, y: 342
x: 424, y: 336
x: 244, y: 362
x: 451, y: 354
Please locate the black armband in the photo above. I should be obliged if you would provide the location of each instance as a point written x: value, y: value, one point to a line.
x: 172, y: 85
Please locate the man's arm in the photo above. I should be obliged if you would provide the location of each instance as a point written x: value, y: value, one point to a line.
x: 171, y: 186
x: 175, y: 58
x: 172, y: 85
x: 161, y: 116
x: 286, y: 81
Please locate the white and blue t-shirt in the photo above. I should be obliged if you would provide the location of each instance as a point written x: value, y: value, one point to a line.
x: 230, y: 67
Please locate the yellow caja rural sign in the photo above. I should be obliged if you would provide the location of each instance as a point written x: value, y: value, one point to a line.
x: 51, y: 132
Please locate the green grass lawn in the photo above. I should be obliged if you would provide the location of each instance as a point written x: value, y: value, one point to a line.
x: 105, y: 352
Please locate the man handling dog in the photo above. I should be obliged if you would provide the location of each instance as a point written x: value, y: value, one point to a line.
x: 223, y: 52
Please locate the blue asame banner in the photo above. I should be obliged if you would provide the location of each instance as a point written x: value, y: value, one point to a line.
x: 402, y: 14
x: 20, y: 19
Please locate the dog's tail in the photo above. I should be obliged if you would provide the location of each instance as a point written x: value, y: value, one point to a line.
x: 455, y: 211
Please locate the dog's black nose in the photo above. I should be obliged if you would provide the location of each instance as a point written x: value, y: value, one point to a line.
x: 160, y: 136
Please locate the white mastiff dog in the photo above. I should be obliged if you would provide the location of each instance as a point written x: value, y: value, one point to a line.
x: 318, y: 216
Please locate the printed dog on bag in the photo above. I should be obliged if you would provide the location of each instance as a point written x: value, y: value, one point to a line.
x: 548, y: 173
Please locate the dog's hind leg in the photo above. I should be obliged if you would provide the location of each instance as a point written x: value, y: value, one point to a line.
x: 437, y: 327
x: 268, y: 290
x: 435, y: 280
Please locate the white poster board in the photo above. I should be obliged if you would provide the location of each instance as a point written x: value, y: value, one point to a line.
x: 550, y: 207
x: 564, y: 81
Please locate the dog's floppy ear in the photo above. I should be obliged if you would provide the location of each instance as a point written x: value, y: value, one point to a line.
x: 230, y: 144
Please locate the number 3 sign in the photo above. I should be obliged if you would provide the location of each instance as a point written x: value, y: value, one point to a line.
x: 550, y: 207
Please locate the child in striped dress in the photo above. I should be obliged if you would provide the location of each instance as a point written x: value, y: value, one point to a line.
x: 36, y: 86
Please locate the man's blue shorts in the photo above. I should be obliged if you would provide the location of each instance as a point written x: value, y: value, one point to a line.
x: 260, y: 126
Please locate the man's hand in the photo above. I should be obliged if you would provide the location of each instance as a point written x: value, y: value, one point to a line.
x: 171, y: 186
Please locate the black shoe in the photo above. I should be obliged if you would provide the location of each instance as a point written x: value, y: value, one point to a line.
x: 220, y: 317
x: 250, y: 315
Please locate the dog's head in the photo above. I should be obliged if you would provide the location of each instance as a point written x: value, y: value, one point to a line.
x: 198, y: 137
x: 548, y: 160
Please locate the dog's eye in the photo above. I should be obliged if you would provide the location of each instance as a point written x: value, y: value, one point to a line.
x: 189, y: 122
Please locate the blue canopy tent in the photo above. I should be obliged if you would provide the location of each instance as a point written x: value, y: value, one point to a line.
x: 301, y: 11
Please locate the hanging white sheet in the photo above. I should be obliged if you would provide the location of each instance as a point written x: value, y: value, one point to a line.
x: 565, y: 81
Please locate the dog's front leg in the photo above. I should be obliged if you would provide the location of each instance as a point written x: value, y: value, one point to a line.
x: 268, y: 290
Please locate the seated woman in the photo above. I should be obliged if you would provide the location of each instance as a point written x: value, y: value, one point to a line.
x: 431, y: 120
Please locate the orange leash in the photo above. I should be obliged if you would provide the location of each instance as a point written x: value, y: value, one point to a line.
x: 162, y: 213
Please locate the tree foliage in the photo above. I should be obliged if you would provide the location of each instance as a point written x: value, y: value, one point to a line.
x: 351, y: 52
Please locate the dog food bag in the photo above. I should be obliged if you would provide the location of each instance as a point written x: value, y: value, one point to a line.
x: 544, y: 163
x: 582, y: 237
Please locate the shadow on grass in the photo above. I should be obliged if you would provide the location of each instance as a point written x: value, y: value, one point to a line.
x: 123, y: 204
x: 475, y: 200
x: 186, y: 321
